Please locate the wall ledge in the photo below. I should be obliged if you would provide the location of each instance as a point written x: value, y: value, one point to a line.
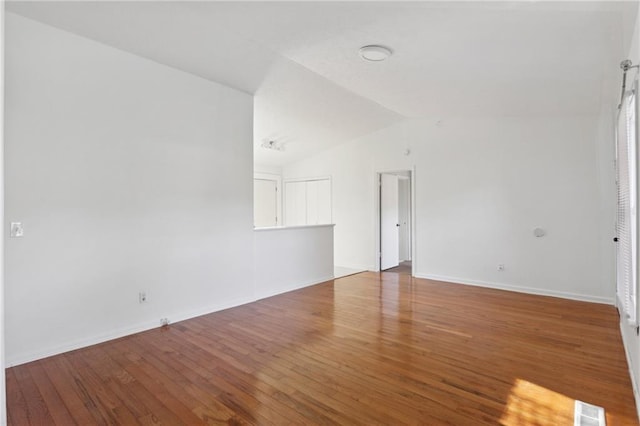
x: 285, y: 228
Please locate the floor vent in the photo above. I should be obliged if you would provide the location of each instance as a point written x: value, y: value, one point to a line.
x: 588, y: 415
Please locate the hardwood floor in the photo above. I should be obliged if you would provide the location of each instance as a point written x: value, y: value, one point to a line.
x: 366, y: 349
x: 402, y: 268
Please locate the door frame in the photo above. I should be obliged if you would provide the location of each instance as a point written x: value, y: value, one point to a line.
x: 389, y: 221
x: 278, y: 180
x: 412, y: 214
x: 404, y: 180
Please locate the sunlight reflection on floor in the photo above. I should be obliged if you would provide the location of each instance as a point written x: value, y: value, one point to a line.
x: 530, y: 404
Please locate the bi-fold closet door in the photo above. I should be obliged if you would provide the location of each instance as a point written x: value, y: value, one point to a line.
x: 307, y: 202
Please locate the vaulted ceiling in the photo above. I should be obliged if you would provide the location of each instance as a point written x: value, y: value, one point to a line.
x: 312, y: 90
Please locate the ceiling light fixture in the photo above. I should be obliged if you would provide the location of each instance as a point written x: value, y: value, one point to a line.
x: 269, y: 144
x: 374, y: 53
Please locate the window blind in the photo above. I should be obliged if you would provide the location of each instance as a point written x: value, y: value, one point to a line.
x: 627, y: 207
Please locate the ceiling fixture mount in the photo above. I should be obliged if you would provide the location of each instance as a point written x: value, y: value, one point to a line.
x: 270, y: 144
x: 374, y: 53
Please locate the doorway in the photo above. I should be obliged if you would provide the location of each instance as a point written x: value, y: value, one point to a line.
x: 395, y: 226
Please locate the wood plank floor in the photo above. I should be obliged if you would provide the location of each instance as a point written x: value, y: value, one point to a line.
x: 402, y: 268
x: 366, y: 349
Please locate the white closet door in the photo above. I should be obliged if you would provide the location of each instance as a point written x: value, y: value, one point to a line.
x: 295, y: 203
x: 308, y: 202
x: 318, y: 202
x: 324, y: 201
x: 312, y: 202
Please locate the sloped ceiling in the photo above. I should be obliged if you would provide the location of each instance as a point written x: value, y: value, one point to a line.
x: 312, y: 91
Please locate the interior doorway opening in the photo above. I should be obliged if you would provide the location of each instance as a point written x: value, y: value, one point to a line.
x: 394, y: 242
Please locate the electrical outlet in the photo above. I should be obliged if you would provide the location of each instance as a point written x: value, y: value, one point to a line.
x: 164, y: 322
x: 17, y: 231
x: 142, y: 297
x: 501, y: 267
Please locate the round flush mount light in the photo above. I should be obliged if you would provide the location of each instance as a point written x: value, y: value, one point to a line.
x: 375, y: 53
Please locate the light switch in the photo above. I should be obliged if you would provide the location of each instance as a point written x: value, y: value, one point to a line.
x: 16, y: 230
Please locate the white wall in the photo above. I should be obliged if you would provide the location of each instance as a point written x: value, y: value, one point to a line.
x: 266, y: 194
x: 629, y: 336
x: 353, y: 187
x: 128, y: 176
x: 270, y: 170
x: 481, y: 187
x: 290, y: 258
x: 3, y: 404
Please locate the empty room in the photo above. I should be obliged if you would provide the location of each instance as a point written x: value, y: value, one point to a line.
x: 319, y: 212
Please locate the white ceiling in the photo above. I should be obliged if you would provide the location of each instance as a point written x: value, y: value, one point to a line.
x: 312, y: 90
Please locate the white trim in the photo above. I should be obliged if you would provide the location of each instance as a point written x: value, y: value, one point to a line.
x: 369, y: 268
x: 520, y: 289
x: 629, y: 283
x: 121, y: 332
x: 307, y: 179
x: 267, y: 176
x: 634, y: 384
x: 376, y: 212
x: 414, y: 222
x: 618, y: 303
x: 3, y: 402
x: 279, y: 199
x: 636, y: 271
x: 284, y: 228
x: 149, y: 325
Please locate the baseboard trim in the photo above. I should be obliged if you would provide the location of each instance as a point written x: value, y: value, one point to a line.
x: 149, y: 325
x: 519, y: 289
x: 118, y: 333
x: 359, y: 267
x: 634, y: 383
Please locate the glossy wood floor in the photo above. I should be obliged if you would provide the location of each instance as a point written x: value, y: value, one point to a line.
x: 367, y: 349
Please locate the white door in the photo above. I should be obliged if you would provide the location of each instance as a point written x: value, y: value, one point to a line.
x: 295, y: 208
x: 265, y: 203
x: 324, y: 201
x: 404, y: 213
x: 312, y: 202
x: 307, y: 202
x: 318, y: 202
x: 389, y: 222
